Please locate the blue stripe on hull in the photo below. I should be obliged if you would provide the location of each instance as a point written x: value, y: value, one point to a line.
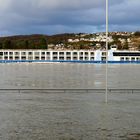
x: 65, y: 61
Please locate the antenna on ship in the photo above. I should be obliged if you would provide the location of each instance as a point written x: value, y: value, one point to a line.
x: 106, y: 87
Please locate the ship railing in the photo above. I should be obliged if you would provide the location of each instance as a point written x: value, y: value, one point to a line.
x: 42, y: 90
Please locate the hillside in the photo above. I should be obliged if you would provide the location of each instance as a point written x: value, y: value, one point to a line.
x: 136, y: 42
x: 124, y: 40
x: 32, y: 41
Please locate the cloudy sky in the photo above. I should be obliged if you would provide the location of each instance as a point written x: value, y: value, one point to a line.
x: 61, y: 16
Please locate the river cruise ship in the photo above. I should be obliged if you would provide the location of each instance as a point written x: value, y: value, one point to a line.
x: 75, y: 56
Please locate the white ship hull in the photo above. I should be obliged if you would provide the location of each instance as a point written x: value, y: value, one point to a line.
x: 74, y: 56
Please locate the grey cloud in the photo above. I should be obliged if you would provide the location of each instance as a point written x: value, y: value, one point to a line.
x: 126, y: 13
x: 56, y: 16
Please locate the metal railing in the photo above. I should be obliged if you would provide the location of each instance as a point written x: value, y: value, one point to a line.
x: 69, y: 90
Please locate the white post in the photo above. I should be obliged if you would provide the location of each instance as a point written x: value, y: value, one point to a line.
x: 106, y: 92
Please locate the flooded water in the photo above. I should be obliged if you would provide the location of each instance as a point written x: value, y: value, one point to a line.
x: 70, y: 115
x: 68, y: 76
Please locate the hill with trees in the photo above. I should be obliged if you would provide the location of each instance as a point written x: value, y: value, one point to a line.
x: 32, y: 41
x: 124, y: 40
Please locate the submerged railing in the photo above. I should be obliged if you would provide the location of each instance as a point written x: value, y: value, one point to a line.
x: 70, y: 90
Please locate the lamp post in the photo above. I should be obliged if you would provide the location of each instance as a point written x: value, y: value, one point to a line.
x: 106, y: 88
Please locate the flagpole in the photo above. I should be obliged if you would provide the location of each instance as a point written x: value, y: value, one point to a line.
x: 106, y: 88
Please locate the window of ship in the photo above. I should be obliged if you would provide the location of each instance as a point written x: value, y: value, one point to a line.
x: 86, y: 53
x: 36, y: 57
x: 23, y: 58
x: 74, y: 53
x: 81, y: 58
x: 86, y: 58
x: 103, y: 53
x: 54, y: 53
x: 138, y: 59
x: 11, y: 58
x: 48, y: 58
x: 68, y: 58
x: 68, y: 53
x: 23, y: 53
x: 30, y: 53
x: 74, y: 58
x: 6, y: 57
x: 10, y: 53
x: 127, y: 58
x: 42, y: 58
x: 122, y: 59
x: 42, y: 53
x: 1, y: 53
x: 81, y: 53
x: 126, y: 53
x: 133, y: 59
x: 16, y: 58
x: 61, y: 58
x: 91, y: 58
x: 5, y: 53
x: 30, y: 58
x: 61, y: 53
x: 48, y: 53
x: 103, y: 58
x: 16, y: 53
x: 55, y: 58
x: 92, y: 53
x: 36, y: 53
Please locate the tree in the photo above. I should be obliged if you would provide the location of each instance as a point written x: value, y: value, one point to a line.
x: 119, y: 45
x: 126, y: 45
x: 26, y: 44
x: 1, y: 45
x: 43, y: 43
x: 137, y: 33
x: 139, y: 47
x: 8, y: 44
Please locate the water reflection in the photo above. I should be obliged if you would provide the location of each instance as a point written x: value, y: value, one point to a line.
x: 68, y: 76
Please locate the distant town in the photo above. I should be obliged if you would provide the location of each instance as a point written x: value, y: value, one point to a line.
x: 71, y: 41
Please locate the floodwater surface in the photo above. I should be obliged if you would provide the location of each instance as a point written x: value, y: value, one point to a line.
x: 64, y: 75
x: 35, y: 115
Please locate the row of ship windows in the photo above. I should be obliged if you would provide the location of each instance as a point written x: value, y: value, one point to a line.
x: 45, y: 58
x: 130, y: 58
x: 44, y: 53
